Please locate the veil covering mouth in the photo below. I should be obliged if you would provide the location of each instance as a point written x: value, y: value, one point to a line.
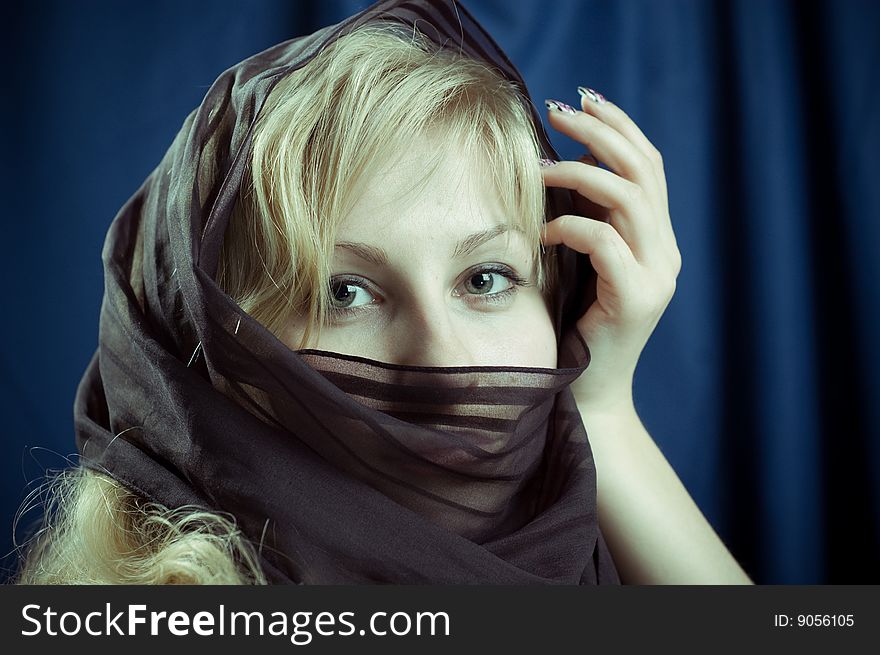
x: 340, y: 469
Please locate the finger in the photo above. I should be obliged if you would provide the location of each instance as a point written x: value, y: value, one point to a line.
x: 587, y: 158
x: 628, y: 209
x: 595, y: 104
x: 609, y: 254
x: 605, y: 143
x: 584, y: 206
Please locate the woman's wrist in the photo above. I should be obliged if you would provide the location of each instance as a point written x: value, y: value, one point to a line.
x: 610, y: 406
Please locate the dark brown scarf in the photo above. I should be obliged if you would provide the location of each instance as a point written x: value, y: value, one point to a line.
x: 341, y: 469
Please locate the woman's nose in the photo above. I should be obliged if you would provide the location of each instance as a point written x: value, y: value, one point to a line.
x: 431, y: 336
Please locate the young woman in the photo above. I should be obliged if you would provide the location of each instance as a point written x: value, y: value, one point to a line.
x: 358, y: 325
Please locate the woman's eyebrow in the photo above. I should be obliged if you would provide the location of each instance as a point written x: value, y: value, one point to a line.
x: 467, y: 245
x: 474, y: 241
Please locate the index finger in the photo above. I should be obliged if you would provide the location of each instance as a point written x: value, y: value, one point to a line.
x: 595, y: 104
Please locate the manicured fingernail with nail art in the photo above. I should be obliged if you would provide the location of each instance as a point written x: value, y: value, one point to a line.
x: 555, y: 105
x: 592, y: 94
x: 547, y: 162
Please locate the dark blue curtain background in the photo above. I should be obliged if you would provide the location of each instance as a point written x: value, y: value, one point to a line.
x: 762, y: 382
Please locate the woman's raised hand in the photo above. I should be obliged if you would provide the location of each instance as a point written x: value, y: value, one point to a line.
x: 623, y: 224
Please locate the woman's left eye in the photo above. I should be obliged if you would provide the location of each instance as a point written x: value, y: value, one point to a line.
x: 485, y: 282
x: 492, y: 284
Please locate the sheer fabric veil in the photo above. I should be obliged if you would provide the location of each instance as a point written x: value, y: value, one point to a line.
x: 341, y: 469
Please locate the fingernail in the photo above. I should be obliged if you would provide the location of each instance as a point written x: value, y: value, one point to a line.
x: 556, y: 105
x: 592, y: 94
x: 547, y: 162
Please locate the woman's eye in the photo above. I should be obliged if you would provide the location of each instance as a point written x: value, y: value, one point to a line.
x: 345, y: 295
x: 493, y: 284
x: 486, y: 282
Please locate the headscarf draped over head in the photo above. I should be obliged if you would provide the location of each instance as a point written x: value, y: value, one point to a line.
x: 338, y: 468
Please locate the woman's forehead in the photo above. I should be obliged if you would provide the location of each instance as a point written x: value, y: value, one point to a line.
x: 427, y: 189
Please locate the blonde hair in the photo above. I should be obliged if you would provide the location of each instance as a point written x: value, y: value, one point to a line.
x: 322, y: 130
x: 96, y: 531
x: 327, y: 127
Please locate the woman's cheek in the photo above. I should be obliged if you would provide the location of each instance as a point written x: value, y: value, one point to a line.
x: 531, y: 337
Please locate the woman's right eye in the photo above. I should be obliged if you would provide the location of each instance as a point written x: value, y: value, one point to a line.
x: 344, y: 295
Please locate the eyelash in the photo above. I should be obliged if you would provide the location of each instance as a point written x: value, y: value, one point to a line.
x: 490, y: 298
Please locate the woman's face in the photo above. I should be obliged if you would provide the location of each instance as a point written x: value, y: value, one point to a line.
x: 428, y: 277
